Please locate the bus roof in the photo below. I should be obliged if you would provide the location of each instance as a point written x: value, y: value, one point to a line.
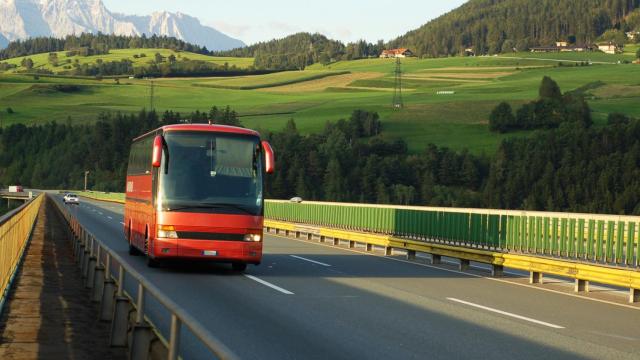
x: 203, y: 127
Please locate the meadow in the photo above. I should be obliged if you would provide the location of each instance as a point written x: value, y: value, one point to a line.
x: 139, y: 57
x: 320, y: 94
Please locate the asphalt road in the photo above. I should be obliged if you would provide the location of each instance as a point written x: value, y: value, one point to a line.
x: 310, y: 301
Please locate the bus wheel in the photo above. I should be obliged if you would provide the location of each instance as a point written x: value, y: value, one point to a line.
x: 133, y: 251
x: 152, y: 263
x: 239, y: 266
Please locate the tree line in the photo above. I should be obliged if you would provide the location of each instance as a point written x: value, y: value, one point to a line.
x: 551, y: 109
x: 297, y: 51
x: 573, y: 167
x: 93, y: 44
x: 494, y: 26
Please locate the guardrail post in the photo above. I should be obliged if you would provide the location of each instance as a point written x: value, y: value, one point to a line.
x: 535, y: 277
x: 297, y: 234
x: 463, y: 264
x: 141, y: 334
x: 352, y: 244
x: 336, y: 241
x: 436, y: 259
x: 369, y: 247
x: 634, y: 295
x: 411, y: 254
x: 497, y: 270
x: 388, y: 251
x: 309, y: 236
x: 91, y: 271
x: 581, y: 286
x: 98, y: 283
x: 174, y: 337
x: 120, y: 320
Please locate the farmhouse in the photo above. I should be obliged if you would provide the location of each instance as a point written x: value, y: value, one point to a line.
x: 469, y: 52
x: 609, y: 48
x: 632, y: 35
x: 562, y: 46
x: 396, y: 53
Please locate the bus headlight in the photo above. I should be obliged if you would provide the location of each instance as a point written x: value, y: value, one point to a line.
x: 253, y: 237
x: 167, y: 231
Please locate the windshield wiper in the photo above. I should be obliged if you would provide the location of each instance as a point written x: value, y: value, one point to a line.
x: 212, y: 206
x: 229, y: 205
x: 190, y: 207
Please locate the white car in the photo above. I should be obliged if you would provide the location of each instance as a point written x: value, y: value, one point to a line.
x: 71, y: 199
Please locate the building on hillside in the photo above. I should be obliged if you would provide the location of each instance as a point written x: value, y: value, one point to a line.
x: 469, y: 52
x: 561, y: 46
x: 609, y: 48
x: 632, y: 35
x: 396, y: 53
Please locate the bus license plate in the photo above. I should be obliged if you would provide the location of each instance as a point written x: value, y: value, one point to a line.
x: 210, y: 253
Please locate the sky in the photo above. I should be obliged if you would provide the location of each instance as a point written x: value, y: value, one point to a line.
x: 261, y: 20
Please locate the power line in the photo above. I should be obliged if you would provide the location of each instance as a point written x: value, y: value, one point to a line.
x: 397, y: 90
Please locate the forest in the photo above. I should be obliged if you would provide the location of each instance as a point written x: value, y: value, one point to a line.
x: 573, y: 167
x: 494, y: 26
x: 297, y: 51
x: 93, y: 44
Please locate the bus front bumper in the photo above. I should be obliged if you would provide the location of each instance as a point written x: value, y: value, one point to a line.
x: 211, y: 250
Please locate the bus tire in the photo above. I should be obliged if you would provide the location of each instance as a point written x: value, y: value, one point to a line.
x: 133, y: 251
x: 152, y: 263
x: 240, y: 267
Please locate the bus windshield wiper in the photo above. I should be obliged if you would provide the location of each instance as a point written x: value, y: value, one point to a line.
x: 212, y: 206
x: 190, y: 207
x: 229, y: 205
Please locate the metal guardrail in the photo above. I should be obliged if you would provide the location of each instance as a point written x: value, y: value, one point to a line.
x: 603, y: 239
x: 535, y: 265
x: 96, y: 263
x: 15, y: 228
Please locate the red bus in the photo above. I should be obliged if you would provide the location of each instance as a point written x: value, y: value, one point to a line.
x: 196, y: 192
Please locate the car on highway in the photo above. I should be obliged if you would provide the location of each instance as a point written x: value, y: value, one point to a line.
x: 71, y: 198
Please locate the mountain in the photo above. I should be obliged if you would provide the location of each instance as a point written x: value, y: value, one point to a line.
x: 492, y: 26
x: 21, y: 19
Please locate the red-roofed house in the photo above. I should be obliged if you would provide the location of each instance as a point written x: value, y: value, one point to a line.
x: 396, y: 53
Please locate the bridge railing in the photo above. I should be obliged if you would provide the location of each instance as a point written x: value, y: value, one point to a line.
x: 606, y: 239
x: 106, y: 272
x: 15, y: 229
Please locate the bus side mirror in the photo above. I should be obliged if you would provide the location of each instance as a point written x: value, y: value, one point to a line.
x: 270, y: 164
x: 157, y: 152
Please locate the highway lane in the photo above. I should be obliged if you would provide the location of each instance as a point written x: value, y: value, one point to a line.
x: 345, y: 304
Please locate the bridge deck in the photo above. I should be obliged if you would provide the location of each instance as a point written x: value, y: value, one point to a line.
x: 47, y: 315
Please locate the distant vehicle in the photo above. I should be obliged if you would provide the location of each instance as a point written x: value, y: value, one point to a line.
x: 71, y: 199
x: 296, y: 199
x: 15, y: 189
x: 196, y: 192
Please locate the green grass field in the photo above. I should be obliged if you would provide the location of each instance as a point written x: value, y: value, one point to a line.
x: 41, y: 61
x: 328, y: 93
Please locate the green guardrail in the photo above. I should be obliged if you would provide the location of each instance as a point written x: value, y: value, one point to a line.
x: 606, y: 239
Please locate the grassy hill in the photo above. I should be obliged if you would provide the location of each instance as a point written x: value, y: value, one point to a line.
x: 139, y: 57
x: 327, y: 93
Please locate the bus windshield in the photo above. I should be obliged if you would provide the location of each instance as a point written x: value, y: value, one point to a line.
x: 211, y: 172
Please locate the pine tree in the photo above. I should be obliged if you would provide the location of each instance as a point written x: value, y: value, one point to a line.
x: 549, y: 89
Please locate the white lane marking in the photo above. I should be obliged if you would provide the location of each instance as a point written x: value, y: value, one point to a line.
x: 266, y: 283
x: 121, y: 223
x: 109, y: 217
x: 506, y: 313
x: 506, y: 281
x: 309, y: 260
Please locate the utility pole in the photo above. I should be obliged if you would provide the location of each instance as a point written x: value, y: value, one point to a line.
x: 397, y: 91
x: 86, y: 175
